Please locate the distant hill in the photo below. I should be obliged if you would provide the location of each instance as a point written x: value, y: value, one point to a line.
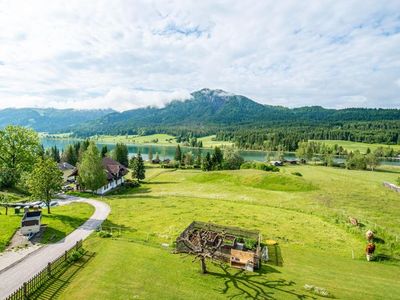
x: 49, y: 119
x: 215, y: 108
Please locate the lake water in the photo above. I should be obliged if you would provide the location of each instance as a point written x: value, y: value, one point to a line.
x: 169, y: 151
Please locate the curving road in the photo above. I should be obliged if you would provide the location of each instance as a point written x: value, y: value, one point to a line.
x: 12, y: 278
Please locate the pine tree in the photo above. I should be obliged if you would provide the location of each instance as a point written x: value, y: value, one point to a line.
x: 104, y: 151
x: 120, y: 154
x: 92, y: 175
x: 217, y: 159
x: 70, y: 155
x: 207, y: 164
x: 178, y: 154
x: 137, y: 166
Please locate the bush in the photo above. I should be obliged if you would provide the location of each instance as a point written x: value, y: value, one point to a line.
x: 250, y: 244
x: 75, y: 255
x: 104, y: 234
x: 297, y: 174
x: 259, y: 166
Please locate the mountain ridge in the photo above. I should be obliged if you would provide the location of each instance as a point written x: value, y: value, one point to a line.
x: 208, y: 107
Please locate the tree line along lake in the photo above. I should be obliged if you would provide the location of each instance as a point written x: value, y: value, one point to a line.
x: 168, y: 152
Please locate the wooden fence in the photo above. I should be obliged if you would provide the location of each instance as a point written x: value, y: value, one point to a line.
x: 32, y: 285
x: 392, y: 186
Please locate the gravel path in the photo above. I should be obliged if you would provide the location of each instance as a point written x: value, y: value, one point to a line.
x: 16, y: 275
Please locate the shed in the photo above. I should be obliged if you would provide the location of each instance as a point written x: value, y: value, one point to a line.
x: 31, y: 222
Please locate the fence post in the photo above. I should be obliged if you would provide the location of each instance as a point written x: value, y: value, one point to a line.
x: 49, y: 269
x: 25, y: 291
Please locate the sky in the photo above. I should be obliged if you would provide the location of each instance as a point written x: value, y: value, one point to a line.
x: 129, y: 54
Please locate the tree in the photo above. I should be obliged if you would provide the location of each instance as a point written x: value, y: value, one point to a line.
x: 70, y: 155
x: 197, y: 242
x: 45, y: 180
x: 217, y: 159
x: 120, y: 154
x: 54, y: 153
x: 91, y: 173
x: 188, y: 159
x: 371, y: 160
x: 19, y: 148
x: 138, y: 169
x: 150, y: 154
x: 356, y: 161
x: 232, y: 159
x: 104, y: 151
x: 207, y: 164
x: 178, y: 154
x: 4, y: 199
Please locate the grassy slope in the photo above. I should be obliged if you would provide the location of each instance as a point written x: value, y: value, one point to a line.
x: 163, y: 139
x: 352, y: 146
x: 314, y: 251
x: 62, y: 221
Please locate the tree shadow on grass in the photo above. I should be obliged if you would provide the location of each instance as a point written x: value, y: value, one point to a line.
x: 60, y: 279
x: 254, y: 285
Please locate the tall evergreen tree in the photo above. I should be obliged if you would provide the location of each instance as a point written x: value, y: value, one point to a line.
x: 217, y: 159
x: 207, y: 164
x: 70, y: 155
x: 104, y: 151
x: 92, y: 175
x: 120, y: 154
x: 178, y: 154
x: 137, y: 167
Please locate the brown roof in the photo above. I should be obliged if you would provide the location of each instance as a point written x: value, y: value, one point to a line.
x: 114, y: 169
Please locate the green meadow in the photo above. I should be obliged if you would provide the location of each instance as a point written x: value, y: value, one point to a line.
x: 157, y: 139
x: 307, y: 215
x: 62, y: 221
x: 353, y: 146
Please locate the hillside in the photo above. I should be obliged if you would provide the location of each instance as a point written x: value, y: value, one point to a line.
x: 211, y: 109
x: 49, y: 119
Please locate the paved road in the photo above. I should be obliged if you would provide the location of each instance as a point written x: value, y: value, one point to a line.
x: 15, y: 276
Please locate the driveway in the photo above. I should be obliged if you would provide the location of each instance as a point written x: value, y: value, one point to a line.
x: 13, y: 277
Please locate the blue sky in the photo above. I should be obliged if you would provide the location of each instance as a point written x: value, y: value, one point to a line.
x: 129, y: 54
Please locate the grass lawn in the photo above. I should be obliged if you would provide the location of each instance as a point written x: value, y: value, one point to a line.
x: 62, y: 221
x: 304, y: 214
x: 352, y: 146
x: 163, y: 139
x: 210, y: 142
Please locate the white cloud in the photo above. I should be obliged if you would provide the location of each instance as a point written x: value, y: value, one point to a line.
x: 129, y: 54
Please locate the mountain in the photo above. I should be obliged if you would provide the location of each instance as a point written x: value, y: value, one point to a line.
x: 49, y: 119
x: 216, y: 108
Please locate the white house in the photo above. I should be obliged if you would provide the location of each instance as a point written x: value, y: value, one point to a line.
x: 115, y: 175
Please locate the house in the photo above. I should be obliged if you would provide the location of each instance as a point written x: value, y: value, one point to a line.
x: 64, y: 166
x: 240, y: 247
x: 67, y: 170
x: 276, y: 163
x: 115, y: 173
x: 31, y: 222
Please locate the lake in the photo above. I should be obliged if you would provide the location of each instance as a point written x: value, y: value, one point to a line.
x: 165, y: 151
